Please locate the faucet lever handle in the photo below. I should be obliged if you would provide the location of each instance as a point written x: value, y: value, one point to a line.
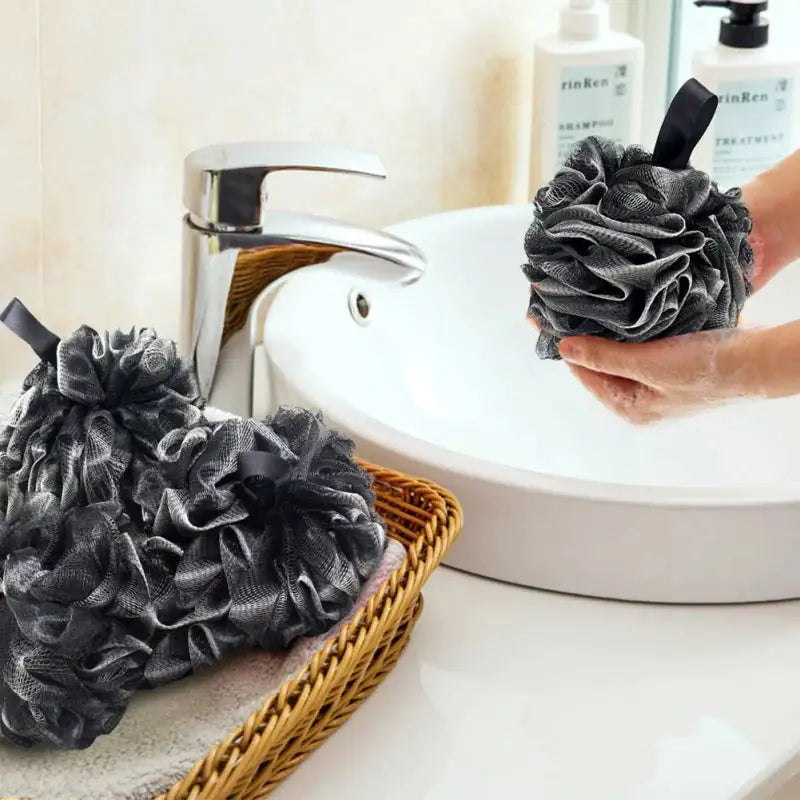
x: 225, y: 184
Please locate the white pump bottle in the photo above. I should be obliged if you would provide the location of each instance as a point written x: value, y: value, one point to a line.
x: 756, y: 123
x: 587, y: 81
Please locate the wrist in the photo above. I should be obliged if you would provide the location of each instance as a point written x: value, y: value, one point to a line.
x: 763, y: 237
x: 772, y: 199
x: 769, y: 361
x: 736, y: 367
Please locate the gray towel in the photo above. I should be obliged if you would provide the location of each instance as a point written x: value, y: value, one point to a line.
x: 630, y: 251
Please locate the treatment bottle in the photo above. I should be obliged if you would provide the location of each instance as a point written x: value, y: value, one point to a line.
x: 756, y: 121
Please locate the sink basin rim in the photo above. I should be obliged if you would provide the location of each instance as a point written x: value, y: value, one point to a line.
x: 440, y: 457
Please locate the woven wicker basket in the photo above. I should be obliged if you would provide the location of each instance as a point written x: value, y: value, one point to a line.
x: 253, y: 759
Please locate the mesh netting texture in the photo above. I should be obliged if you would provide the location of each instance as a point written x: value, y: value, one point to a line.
x: 630, y: 251
x: 134, y: 548
x: 75, y: 620
x: 86, y: 427
x: 254, y: 563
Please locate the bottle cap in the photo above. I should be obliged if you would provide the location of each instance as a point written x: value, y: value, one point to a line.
x: 584, y: 19
x: 745, y: 27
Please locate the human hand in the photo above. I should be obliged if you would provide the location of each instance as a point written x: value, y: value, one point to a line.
x: 670, y: 377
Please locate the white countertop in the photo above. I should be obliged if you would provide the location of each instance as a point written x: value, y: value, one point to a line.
x: 510, y: 692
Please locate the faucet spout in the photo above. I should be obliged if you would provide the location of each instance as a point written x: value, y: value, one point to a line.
x: 407, y: 258
x: 234, y: 247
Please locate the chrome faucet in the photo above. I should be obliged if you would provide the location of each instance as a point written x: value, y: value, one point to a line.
x: 225, y: 194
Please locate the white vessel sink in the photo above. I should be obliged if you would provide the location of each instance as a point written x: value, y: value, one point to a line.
x: 558, y: 493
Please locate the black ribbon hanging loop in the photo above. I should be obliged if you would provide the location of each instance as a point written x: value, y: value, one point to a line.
x: 264, y: 477
x: 19, y: 320
x: 687, y: 119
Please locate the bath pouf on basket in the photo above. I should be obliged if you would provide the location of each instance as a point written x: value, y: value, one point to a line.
x: 632, y: 246
x: 91, y: 413
x: 75, y: 622
x: 269, y: 529
x: 140, y: 542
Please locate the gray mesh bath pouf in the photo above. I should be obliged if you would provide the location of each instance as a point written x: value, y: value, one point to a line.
x: 269, y: 529
x: 75, y: 621
x: 632, y: 246
x: 91, y: 413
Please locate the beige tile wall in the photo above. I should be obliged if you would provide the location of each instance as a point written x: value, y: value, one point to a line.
x: 441, y: 90
x: 20, y: 173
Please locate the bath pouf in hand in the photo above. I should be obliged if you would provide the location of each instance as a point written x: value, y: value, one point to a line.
x: 628, y: 249
x: 75, y: 621
x: 91, y: 413
x: 271, y: 532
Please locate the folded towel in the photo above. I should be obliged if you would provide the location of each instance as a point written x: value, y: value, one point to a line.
x: 166, y: 730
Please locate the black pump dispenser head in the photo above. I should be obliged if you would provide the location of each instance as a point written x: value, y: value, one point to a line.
x: 745, y: 27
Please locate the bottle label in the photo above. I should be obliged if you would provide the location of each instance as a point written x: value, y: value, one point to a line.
x: 752, y: 128
x: 593, y: 101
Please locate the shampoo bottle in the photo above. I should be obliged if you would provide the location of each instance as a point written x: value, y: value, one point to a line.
x: 755, y: 124
x: 587, y: 81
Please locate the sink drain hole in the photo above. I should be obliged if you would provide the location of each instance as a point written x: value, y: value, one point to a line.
x: 359, y: 307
